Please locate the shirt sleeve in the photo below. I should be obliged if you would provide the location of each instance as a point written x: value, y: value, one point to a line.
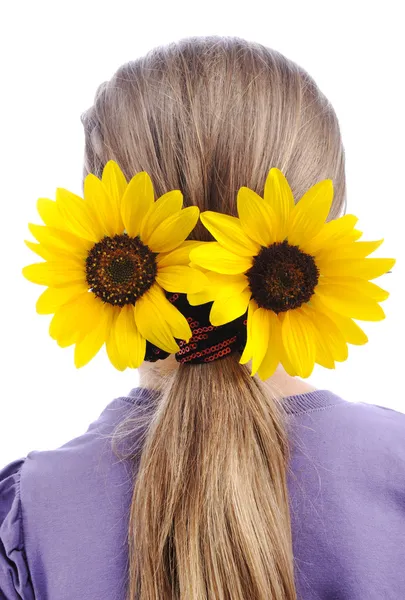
x: 15, y: 580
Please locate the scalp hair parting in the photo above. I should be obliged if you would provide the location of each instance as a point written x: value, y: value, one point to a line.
x: 209, y: 516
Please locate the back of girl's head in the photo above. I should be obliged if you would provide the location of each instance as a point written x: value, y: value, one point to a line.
x: 209, y: 115
x: 210, y: 513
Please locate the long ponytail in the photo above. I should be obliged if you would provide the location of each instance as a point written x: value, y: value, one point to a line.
x: 209, y: 515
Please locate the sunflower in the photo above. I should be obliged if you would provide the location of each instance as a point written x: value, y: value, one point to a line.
x: 302, y: 280
x: 108, y: 260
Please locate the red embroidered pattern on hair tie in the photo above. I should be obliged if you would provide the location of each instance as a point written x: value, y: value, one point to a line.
x: 208, y: 343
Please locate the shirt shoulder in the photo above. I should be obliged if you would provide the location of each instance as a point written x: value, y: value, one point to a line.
x: 352, y: 444
x: 372, y: 429
x: 15, y: 579
x: 347, y: 494
x: 68, y: 507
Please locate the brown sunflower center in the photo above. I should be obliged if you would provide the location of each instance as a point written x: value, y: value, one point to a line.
x: 282, y: 277
x: 120, y: 269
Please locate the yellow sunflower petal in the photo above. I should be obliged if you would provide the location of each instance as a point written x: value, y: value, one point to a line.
x: 69, y: 325
x: 152, y: 325
x: 181, y: 279
x: 278, y: 194
x: 227, y: 286
x: 115, y: 183
x: 298, y: 341
x: 166, y: 206
x: 352, y: 333
x: 195, y: 266
x: 229, y: 308
x: 248, y: 349
x: 207, y: 294
x: 211, y: 255
x: 137, y: 348
x: 55, y: 273
x: 43, y: 252
x: 122, y: 323
x: 367, y: 288
x: 229, y: 233
x: 49, y: 212
x: 310, y: 213
x: 76, y: 318
x: 111, y: 344
x: 177, y: 322
x: 256, y: 217
x: 56, y: 240
x: 323, y: 352
x: 138, y: 199
x: 285, y: 361
x: 173, y: 230
x: 130, y: 344
x: 87, y: 347
x: 350, y: 303
x: 367, y: 268
x: 328, y: 331
x: 179, y: 256
x: 217, y: 283
x: 69, y: 338
x: 272, y: 357
x: 335, y: 338
x: 105, y: 210
x: 352, y: 250
x: 77, y: 216
x: 331, y: 232
x: 359, y: 249
x: 355, y: 235
x: 260, y: 337
x: 89, y: 313
x: 50, y: 300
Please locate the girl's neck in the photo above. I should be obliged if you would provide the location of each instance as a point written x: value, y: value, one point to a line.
x: 151, y: 375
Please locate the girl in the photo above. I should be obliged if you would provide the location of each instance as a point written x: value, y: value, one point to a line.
x: 205, y: 482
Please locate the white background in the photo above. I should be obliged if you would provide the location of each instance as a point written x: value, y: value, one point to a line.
x: 54, y: 55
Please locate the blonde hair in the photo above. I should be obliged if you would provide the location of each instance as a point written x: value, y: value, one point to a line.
x: 209, y: 516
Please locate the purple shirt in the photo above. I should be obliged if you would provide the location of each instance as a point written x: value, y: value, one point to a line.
x: 64, y: 512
